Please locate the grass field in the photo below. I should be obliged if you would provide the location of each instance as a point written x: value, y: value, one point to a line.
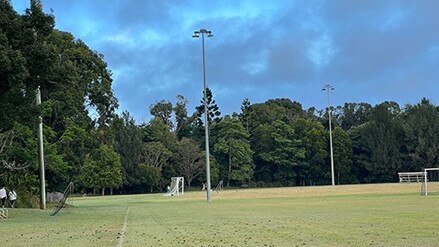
x: 351, y: 215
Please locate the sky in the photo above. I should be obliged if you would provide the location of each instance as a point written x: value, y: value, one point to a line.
x: 369, y: 50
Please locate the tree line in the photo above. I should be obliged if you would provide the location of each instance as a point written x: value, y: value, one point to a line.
x: 274, y: 143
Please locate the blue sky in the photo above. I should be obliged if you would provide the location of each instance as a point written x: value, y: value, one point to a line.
x: 369, y: 50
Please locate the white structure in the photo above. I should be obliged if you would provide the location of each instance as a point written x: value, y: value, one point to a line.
x: 431, y: 175
x: 177, y: 187
x: 3, y: 213
x: 219, y: 187
x: 411, y: 177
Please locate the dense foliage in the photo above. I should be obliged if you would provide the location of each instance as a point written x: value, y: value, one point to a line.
x: 274, y: 143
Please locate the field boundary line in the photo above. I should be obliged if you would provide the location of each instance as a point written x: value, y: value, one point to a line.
x: 121, y: 234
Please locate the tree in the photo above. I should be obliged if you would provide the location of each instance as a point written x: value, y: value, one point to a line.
x: 148, y: 175
x: 102, y: 169
x: 128, y: 144
x: 189, y: 159
x: 285, y: 155
x: 212, y: 107
x: 261, y: 142
x: 343, y: 157
x: 421, y: 128
x: 352, y: 114
x: 157, y: 131
x: 313, y: 137
x: 233, y: 143
x: 273, y: 110
x: 10, y: 170
x: 162, y: 110
x: 155, y: 154
x: 182, y: 120
x: 244, y: 116
x: 19, y: 158
x: 377, y: 144
x: 57, y: 169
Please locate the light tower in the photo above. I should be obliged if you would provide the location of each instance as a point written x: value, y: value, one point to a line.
x: 208, y: 34
x: 328, y: 88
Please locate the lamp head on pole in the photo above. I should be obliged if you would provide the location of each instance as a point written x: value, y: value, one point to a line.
x: 196, y: 34
x: 202, y: 31
x: 328, y: 87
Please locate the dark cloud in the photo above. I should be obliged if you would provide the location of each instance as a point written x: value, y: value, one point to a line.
x: 369, y: 50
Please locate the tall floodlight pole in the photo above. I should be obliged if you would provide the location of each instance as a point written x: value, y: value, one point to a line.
x: 328, y: 88
x: 41, y: 155
x: 206, y: 122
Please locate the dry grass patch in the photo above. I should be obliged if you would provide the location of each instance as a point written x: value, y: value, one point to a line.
x: 310, y: 191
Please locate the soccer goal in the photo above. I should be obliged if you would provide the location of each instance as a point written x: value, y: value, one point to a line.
x: 219, y: 187
x: 408, y: 177
x: 177, y: 187
x: 430, y: 185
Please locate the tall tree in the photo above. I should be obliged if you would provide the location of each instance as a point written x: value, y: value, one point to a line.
x: 128, y: 144
x: 157, y: 131
x: 148, y: 176
x: 343, y: 157
x: 377, y: 144
x: 155, y: 154
x: 274, y: 110
x: 212, y: 107
x: 190, y: 162
x: 313, y: 137
x: 245, y: 110
x: 261, y: 142
x: 352, y: 114
x: 233, y: 143
x: 102, y: 169
x: 183, y: 122
x: 16, y: 161
x: 162, y: 110
x: 421, y: 127
x: 286, y: 154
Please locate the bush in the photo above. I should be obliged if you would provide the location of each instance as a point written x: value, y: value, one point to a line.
x: 26, y: 199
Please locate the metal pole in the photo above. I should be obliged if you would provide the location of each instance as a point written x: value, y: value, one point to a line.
x: 328, y: 88
x: 206, y: 125
x: 425, y: 182
x: 41, y: 156
x: 206, y: 110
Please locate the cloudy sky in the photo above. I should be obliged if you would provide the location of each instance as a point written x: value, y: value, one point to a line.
x: 369, y: 50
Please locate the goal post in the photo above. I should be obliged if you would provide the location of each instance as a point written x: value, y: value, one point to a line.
x: 177, y: 187
x: 431, y: 181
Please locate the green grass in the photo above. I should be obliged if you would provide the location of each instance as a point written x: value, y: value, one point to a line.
x: 355, y: 215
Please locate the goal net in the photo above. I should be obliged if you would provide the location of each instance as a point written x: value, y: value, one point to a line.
x: 430, y: 185
x: 177, y: 187
x: 62, y: 202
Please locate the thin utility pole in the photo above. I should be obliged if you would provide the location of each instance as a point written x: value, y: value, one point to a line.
x: 41, y: 155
